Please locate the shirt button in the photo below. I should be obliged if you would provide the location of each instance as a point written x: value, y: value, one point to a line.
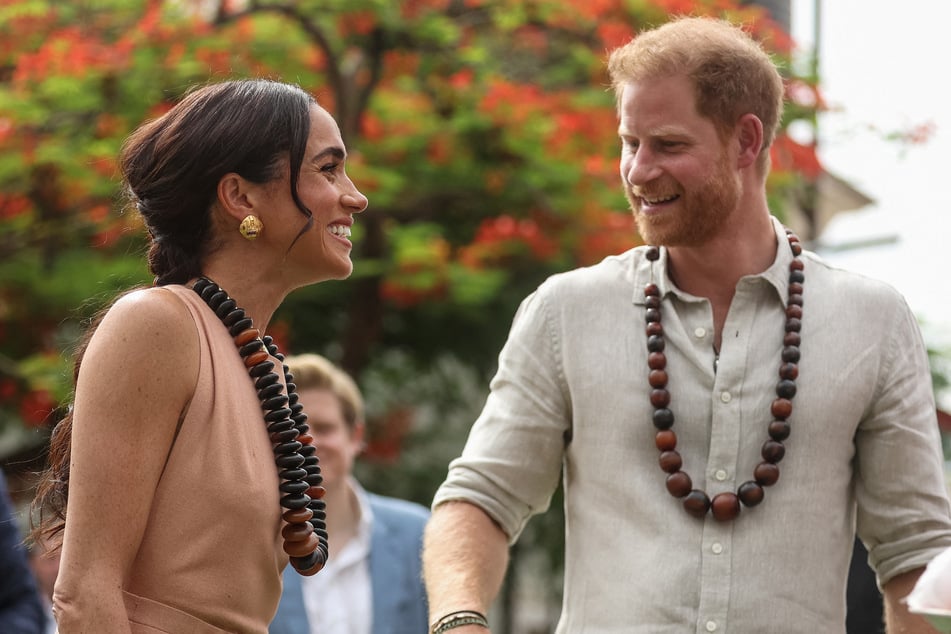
x: 700, y: 332
x: 726, y: 397
x: 720, y: 475
x: 717, y: 548
x: 711, y: 626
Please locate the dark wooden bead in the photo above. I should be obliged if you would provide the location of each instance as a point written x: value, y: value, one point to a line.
x: 652, y: 314
x: 225, y: 307
x: 270, y: 391
x: 660, y: 398
x: 279, y: 437
x: 697, y: 503
x: 651, y: 289
x: 296, y: 516
x: 292, y: 461
x: 301, y: 548
x: 794, y: 311
x: 652, y: 254
x: 750, y: 493
x: 314, y: 479
x: 297, y: 532
x: 679, y: 484
x: 293, y: 487
x: 663, y: 418
x: 773, y: 451
x: 233, y: 317
x: 779, y: 430
x: 793, y: 325
x: 316, y: 492
x: 792, y: 339
x: 766, y: 474
x: 288, y: 447
x: 670, y: 461
x: 240, y: 326
x: 796, y: 276
x: 278, y: 414
x: 657, y: 378
x: 795, y: 299
x: 217, y: 299
x: 789, y: 371
x: 306, y: 439
x: 665, y: 440
x: 652, y: 301
x: 795, y: 288
x: 251, y: 347
x: 275, y: 402
x: 781, y: 408
x: 796, y: 248
x: 786, y: 388
x: 293, y: 473
x: 201, y: 284
x: 654, y: 328
x: 280, y: 425
x: 295, y: 501
x: 796, y: 265
x: 310, y: 565
x: 791, y: 354
x: 725, y: 506
x: 209, y: 290
x: 308, y: 450
x: 655, y: 343
x: 264, y: 381
x: 261, y: 369
x: 656, y: 361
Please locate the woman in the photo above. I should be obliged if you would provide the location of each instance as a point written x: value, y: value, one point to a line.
x: 181, y: 434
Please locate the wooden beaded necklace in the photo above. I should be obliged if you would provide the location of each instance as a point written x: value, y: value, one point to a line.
x: 305, y: 531
x: 725, y: 506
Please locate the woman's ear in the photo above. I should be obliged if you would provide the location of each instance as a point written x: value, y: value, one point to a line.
x: 749, y: 136
x: 235, y: 196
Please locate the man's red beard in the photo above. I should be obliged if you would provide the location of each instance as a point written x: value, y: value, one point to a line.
x: 698, y: 214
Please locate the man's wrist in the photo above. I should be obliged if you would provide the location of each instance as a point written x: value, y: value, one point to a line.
x: 458, y: 618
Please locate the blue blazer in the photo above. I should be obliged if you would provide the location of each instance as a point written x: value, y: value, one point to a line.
x: 396, y: 578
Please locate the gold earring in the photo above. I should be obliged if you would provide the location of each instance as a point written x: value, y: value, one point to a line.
x: 251, y: 227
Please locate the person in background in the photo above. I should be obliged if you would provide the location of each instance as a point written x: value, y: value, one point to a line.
x: 725, y: 410
x: 21, y: 610
x: 373, y: 582
x: 183, y: 479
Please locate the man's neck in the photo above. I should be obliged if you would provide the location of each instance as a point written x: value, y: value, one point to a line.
x: 714, y: 269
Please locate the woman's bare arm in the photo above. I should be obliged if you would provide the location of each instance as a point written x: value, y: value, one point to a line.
x: 137, y: 376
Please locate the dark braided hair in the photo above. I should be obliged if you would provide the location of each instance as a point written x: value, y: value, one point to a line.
x: 171, y: 167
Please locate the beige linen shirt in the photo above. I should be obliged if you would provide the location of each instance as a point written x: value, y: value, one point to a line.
x: 570, y: 400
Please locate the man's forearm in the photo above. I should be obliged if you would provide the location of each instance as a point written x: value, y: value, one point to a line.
x: 898, y: 620
x: 465, y: 555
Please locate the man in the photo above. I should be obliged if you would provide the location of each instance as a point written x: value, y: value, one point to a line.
x: 671, y: 386
x: 372, y: 583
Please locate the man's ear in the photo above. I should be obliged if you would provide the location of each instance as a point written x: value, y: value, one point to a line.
x: 235, y: 196
x: 749, y: 136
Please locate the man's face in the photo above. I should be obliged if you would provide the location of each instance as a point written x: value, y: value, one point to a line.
x: 679, y: 175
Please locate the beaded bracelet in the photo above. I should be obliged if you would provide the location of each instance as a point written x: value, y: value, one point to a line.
x: 457, y: 619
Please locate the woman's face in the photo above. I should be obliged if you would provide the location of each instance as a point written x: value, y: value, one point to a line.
x: 323, y: 250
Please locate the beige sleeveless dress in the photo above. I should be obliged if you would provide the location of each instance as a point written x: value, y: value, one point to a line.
x: 211, y: 557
